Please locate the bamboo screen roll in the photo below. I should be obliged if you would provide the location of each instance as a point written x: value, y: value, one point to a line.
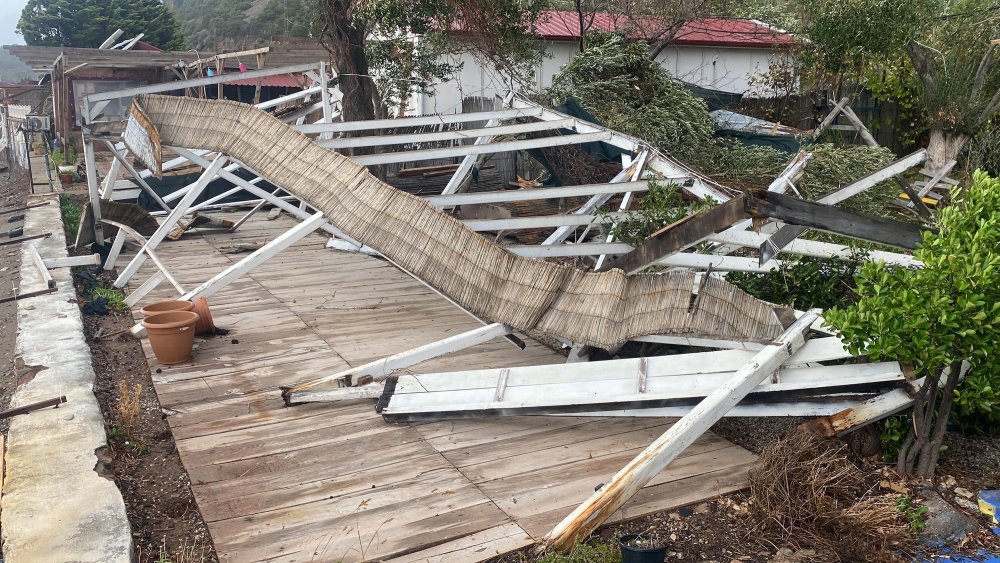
x: 599, y: 309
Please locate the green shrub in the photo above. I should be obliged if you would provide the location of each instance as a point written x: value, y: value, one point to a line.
x: 936, y: 317
x: 70, y: 212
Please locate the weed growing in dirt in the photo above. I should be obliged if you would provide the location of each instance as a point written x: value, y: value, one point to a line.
x: 70, y: 212
x: 128, y: 405
x: 115, y: 298
x: 912, y: 513
x: 586, y: 553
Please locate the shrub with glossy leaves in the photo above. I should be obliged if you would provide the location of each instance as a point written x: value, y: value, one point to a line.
x: 945, y: 312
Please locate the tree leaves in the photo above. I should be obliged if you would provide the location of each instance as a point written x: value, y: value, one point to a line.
x: 87, y: 23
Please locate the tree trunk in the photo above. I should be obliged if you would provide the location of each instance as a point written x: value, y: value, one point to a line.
x: 344, y: 38
x: 944, y: 146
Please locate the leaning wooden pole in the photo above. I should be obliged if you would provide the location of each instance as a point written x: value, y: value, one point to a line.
x: 641, y: 470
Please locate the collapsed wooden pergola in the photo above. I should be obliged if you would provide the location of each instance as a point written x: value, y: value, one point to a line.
x: 762, y: 376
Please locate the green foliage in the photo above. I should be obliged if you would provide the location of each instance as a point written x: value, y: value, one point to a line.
x: 662, y: 205
x: 945, y: 312
x: 803, y: 282
x: 285, y: 18
x: 594, y: 552
x: 70, y: 212
x: 87, y: 23
x: 983, y: 151
x: 62, y: 156
x: 115, y: 298
x: 893, y: 80
x: 914, y: 514
x: 844, y: 34
x: 617, y: 82
x: 211, y: 24
x: 894, y: 430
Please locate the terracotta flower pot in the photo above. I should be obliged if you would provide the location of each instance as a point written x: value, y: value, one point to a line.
x: 65, y: 178
x: 205, y: 324
x: 171, y: 335
x: 165, y: 307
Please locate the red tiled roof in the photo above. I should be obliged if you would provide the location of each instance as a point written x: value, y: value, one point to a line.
x: 565, y: 26
x: 276, y: 80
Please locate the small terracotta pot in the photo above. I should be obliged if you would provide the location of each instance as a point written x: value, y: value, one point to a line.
x: 205, y: 324
x: 171, y: 335
x: 166, y: 307
x: 66, y: 178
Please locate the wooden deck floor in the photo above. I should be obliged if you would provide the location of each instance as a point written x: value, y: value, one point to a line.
x: 330, y: 482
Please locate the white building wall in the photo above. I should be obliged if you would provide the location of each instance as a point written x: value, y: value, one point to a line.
x: 718, y: 68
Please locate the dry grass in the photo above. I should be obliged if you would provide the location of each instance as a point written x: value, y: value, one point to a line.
x: 129, y: 406
x: 185, y: 553
x: 808, y: 490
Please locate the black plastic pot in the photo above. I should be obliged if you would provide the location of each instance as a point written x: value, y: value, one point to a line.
x: 640, y: 554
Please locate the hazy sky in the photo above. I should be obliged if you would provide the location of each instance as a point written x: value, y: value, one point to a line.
x: 10, y: 12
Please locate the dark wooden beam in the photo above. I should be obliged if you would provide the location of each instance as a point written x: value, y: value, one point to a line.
x: 826, y: 218
x: 680, y: 235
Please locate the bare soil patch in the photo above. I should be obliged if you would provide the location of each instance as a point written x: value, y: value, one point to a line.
x: 166, y: 523
x: 13, y: 193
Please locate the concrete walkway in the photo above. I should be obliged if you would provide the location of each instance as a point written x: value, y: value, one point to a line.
x: 58, y: 504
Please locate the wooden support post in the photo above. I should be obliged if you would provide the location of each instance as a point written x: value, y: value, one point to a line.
x: 379, y: 370
x: 108, y: 188
x: 171, y: 221
x: 258, y: 257
x: 641, y: 470
x: 147, y: 286
x: 248, y: 263
x: 116, y: 250
x: 93, y: 187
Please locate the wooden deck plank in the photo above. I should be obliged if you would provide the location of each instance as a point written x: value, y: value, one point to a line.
x: 326, y: 482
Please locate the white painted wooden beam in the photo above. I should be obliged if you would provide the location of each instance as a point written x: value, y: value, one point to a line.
x: 401, y: 122
x: 257, y: 257
x: 197, y: 82
x: 503, y: 146
x: 71, y: 261
x: 379, y: 370
x: 170, y: 222
x: 437, y: 136
x: 504, y: 196
x: 641, y: 470
x: 591, y: 205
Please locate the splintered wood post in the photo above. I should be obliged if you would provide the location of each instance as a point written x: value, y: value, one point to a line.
x: 874, y: 409
x: 648, y: 464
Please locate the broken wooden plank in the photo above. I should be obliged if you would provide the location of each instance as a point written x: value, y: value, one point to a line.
x: 786, y: 234
x: 71, y: 261
x: 824, y: 217
x: 679, y: 235
x: 36, y: 258
x: 644, y: 467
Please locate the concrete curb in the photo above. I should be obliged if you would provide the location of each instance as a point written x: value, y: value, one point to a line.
x: 58, y: 502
